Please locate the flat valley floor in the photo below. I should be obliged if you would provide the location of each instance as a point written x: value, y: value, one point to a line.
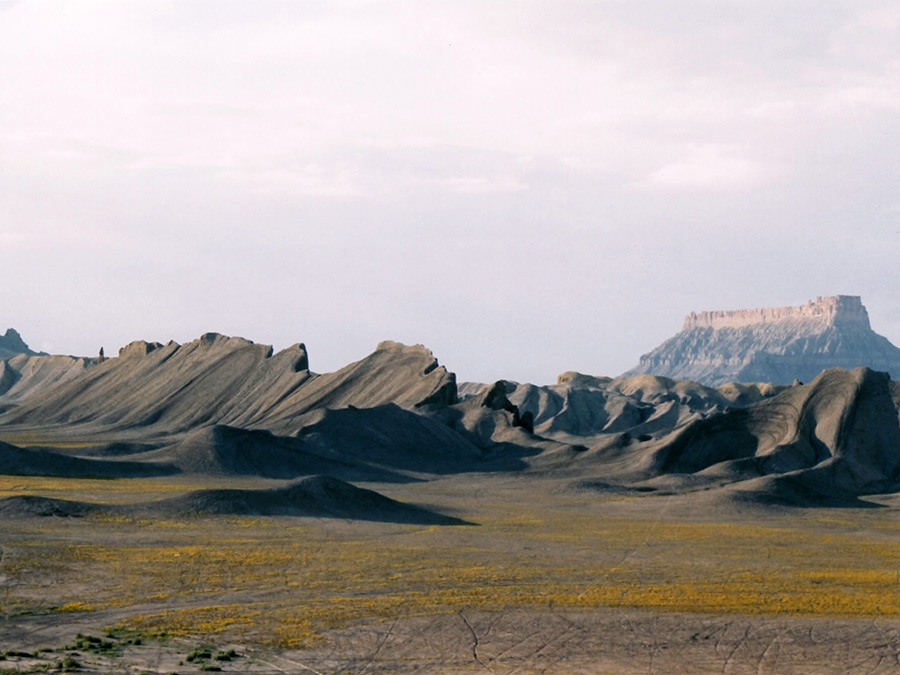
x: 545, y: 577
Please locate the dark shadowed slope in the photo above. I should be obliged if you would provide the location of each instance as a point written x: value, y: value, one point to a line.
x: 16, y: 461
x: 229, y: 451
x: 391, y: 436
x: 30, y: 506
x: 836, y: 438
x: 314, y: 496
x: 581, y: 407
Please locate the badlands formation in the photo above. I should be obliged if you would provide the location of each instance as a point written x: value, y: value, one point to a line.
x: 228, y: 475
x: 225, y: 406
x: 773, y: 345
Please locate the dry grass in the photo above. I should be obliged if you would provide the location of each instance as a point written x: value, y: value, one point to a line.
x: 113, y: 491
x: 284, y: 581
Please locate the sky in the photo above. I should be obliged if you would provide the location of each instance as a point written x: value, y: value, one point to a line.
x: 526, y: 187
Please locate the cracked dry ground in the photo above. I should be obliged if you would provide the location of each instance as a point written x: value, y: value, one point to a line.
x: 549, y: 580
x: 612, y: 641
x: 558, y: 641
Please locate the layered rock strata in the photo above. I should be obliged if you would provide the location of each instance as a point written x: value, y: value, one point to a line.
x: 777, y: 345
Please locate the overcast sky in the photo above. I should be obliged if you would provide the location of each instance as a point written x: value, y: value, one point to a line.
x: 525, y: 187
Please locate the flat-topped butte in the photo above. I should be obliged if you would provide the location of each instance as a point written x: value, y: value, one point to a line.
x: 776, y: 345
x: 837, y: 309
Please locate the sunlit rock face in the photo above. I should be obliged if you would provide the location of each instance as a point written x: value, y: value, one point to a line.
x: 777, y: 345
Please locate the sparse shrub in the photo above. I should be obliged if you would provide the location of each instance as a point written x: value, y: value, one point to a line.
x: 68, y: 665
x: 227, y: 655
x: 199, y: 654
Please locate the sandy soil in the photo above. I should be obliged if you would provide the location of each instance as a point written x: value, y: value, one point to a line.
x: 521, y: 524
x: 552, y: 641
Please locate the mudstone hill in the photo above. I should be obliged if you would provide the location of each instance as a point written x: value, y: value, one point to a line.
x: 226, y: 406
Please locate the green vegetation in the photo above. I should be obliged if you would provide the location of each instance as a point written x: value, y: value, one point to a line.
x: 68, y: 665
x: 199, y: 654
x: 229, y: 655
x: 96, y: 645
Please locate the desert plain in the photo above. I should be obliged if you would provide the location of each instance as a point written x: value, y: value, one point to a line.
x: 541, y: 578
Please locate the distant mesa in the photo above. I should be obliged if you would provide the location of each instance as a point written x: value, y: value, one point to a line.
x: 776, y: 345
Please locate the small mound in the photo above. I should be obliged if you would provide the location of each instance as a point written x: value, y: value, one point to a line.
x: 30, y: 506
x: 314, y: 496
x: 101, y: 450
x: 225, y: 450
x: 230, y: 451
x: 784, y: 491
x: 15, y: 461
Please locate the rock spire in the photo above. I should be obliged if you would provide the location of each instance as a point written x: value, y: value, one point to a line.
x: 12, y: 344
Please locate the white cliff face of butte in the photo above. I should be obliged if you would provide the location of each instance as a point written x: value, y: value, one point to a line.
x: 775, y: 345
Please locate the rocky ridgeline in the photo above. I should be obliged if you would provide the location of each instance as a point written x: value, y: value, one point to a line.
x: 775, y: 345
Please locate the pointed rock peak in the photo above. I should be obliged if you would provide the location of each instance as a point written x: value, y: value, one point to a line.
x: 495, y: 397
x: 297, y: 355
x: 13, y: 342
x: 12, y: 334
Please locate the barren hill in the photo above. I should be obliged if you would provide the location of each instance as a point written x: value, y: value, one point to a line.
x: 166, y: 389
x: 23, y: 375
x: 776, y: 345
x: 313, y: 496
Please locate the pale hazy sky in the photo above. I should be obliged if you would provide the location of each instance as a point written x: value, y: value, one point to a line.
x: 524, y: 187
